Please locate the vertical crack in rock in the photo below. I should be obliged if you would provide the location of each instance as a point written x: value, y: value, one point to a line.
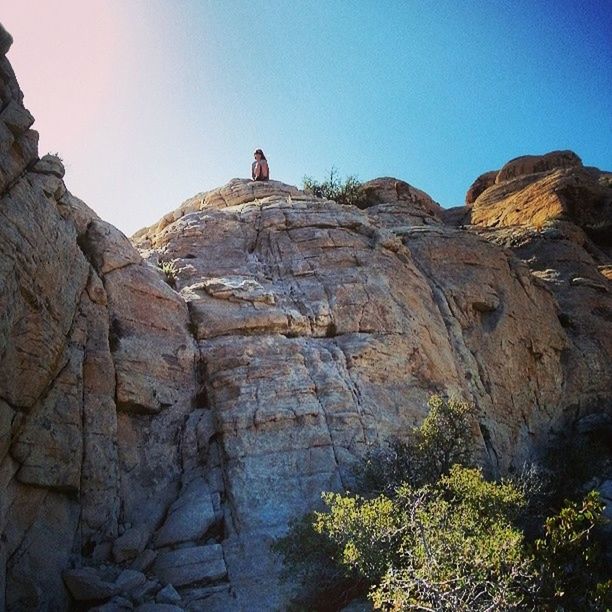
x: 326, y: 417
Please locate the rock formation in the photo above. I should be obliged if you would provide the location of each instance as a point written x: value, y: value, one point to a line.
x: 168, y: 403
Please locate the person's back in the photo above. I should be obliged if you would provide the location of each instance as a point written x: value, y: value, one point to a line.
x: 260, y: 171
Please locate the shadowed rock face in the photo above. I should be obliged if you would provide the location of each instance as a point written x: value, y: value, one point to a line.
x: 153, y: 434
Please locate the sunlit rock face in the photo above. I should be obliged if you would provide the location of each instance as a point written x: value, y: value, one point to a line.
x: 163, y: 427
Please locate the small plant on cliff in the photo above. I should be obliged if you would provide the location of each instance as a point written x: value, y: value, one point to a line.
x: 169, y: 270
x: 348, y: 192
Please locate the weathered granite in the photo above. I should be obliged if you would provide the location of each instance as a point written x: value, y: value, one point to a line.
x: 191, y: 565
x: 179, y: 428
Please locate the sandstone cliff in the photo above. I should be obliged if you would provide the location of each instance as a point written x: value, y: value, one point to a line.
x: 161, y: 428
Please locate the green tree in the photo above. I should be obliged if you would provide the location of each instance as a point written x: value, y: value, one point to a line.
x: 570, y: 560
x: 444, y: 438
x: 427, y: 533
x: 448, y: 546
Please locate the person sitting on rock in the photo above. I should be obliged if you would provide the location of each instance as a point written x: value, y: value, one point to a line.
x: 260, y: 170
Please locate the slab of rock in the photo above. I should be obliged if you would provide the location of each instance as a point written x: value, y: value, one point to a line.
x: 131, y: 543
x: 572, y: 194
x: 144, y: 560
x: 532, y: 164
x: 129, y: 580
x: 235, y: 192
x: 50, y: 164
x: 189, y: 517
x: 414, y: 202
x: 145, y: 592
x: 168, y: 595
x: 39, y: 298
x: 191, y: 565
x: 6, y: 40
x: 152, y: 348
x: 484, y: 181
x: 107, y: 248
x: 88, y: 584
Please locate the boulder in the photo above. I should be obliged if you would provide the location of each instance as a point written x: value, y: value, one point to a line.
x: 168, y: 595
x: 393, y: 200
x: 129, y: 580
x: 144, y: 560
x: 532, y: 164
x: 483, y: 182
x: 6, y: 40
x: 189, y: 517
x: 89, y: 584
x: 191, y: 565
x: 50, y: 164
x: 145, y: 592
x: 570, y: 194
x: 131, y: 543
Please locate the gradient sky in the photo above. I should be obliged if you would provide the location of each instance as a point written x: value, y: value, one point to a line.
x: 151, y: 101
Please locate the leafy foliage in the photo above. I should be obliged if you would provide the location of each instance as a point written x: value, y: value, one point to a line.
x: 427, y: 533
x: 569, y: 557
x: 348, y: 192
x: 170, y: 271
x: 448, y: 546
x: 445, y: 438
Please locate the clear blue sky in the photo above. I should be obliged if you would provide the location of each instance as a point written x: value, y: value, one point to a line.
x: 167, y: 98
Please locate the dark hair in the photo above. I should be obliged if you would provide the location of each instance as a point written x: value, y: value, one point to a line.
x: 261, y: 153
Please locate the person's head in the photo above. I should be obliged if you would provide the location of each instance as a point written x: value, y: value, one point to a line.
x: 259, y: 154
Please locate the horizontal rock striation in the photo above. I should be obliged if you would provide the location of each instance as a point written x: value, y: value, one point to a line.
x: 168, y: 404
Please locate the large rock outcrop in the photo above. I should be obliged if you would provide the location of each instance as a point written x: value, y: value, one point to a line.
x: 93, y: 342
x: 168, y: 403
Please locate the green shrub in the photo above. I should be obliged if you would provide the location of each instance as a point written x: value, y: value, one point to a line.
x: 448, y: 546
x: 427, y: 533
x: 445, y: 438
x: 348, y: 192
x: 570, y: 560
x: 170, y: 271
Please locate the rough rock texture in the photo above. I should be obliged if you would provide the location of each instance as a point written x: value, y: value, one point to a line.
x: 322, y: 329
x: 484, y: 181
x: 533, y: 164
x: 388, y: 196
x: 92, y: 343
x: 567, y: 194
x: 534, y: 189
x: 157, y: 431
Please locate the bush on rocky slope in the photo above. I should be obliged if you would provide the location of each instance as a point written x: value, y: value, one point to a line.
x: 426, y: 532
x: 347, y: 192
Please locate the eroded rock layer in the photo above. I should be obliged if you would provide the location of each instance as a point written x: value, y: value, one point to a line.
x: 168, y: 404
